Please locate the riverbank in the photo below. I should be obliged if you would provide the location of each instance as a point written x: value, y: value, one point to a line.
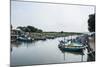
x: 42, y: 35
x: 51, y: 35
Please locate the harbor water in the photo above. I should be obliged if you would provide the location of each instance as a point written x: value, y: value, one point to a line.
x: 42, y: 52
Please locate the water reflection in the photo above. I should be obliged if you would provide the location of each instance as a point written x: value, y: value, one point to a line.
x: 74, y: 53
x: 42, y: 52
x: 16, y: 44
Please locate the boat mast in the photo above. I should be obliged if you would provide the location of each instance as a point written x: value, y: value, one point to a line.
x: 71, y: 38
x: 64, y: 40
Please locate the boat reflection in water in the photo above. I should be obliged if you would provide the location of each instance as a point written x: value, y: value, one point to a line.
x: 75, y: 53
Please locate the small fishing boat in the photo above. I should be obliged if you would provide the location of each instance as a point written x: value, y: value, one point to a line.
x: 71, y: 46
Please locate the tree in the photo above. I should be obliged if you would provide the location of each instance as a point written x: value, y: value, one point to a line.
x: 39, y: 31
x: 21, y: 28
x: 32, y: 29
x: 62, y: 31
x: 11, y: 26
x: 29, y: 29
x: 91, y: 23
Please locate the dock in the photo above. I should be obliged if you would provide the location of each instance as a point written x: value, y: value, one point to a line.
x: 91, y: 49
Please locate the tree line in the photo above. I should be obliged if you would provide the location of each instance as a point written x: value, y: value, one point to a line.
x: 29, y: 29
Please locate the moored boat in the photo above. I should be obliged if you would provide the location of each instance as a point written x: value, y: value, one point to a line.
x: 25, y: 38
x: 72, y: 47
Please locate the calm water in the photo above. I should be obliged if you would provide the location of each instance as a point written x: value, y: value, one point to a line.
x: 42, y: 52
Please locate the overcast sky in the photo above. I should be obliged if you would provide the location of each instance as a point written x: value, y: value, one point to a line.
x: 51, y: 17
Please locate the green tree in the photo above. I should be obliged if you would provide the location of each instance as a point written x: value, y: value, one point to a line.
x: 39, y: 31
x: 91, y: 23
x: 29, y: 29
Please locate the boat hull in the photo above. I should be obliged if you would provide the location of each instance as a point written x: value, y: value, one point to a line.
x: 69, y: 49
x: 72, y: 49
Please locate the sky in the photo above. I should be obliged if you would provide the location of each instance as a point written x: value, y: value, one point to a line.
x: 51, y: 17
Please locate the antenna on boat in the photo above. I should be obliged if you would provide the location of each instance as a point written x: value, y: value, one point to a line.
x: 64, y: 40
x: 63, y: 36
x: 71, y: 38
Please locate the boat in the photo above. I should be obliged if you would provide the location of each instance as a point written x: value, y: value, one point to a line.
x: 24, y: 38
x: 39, y: 38
x: 71, y: 47
x: 50, y: 37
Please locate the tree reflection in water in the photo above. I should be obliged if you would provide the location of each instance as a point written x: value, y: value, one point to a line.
x: 17, y: 44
